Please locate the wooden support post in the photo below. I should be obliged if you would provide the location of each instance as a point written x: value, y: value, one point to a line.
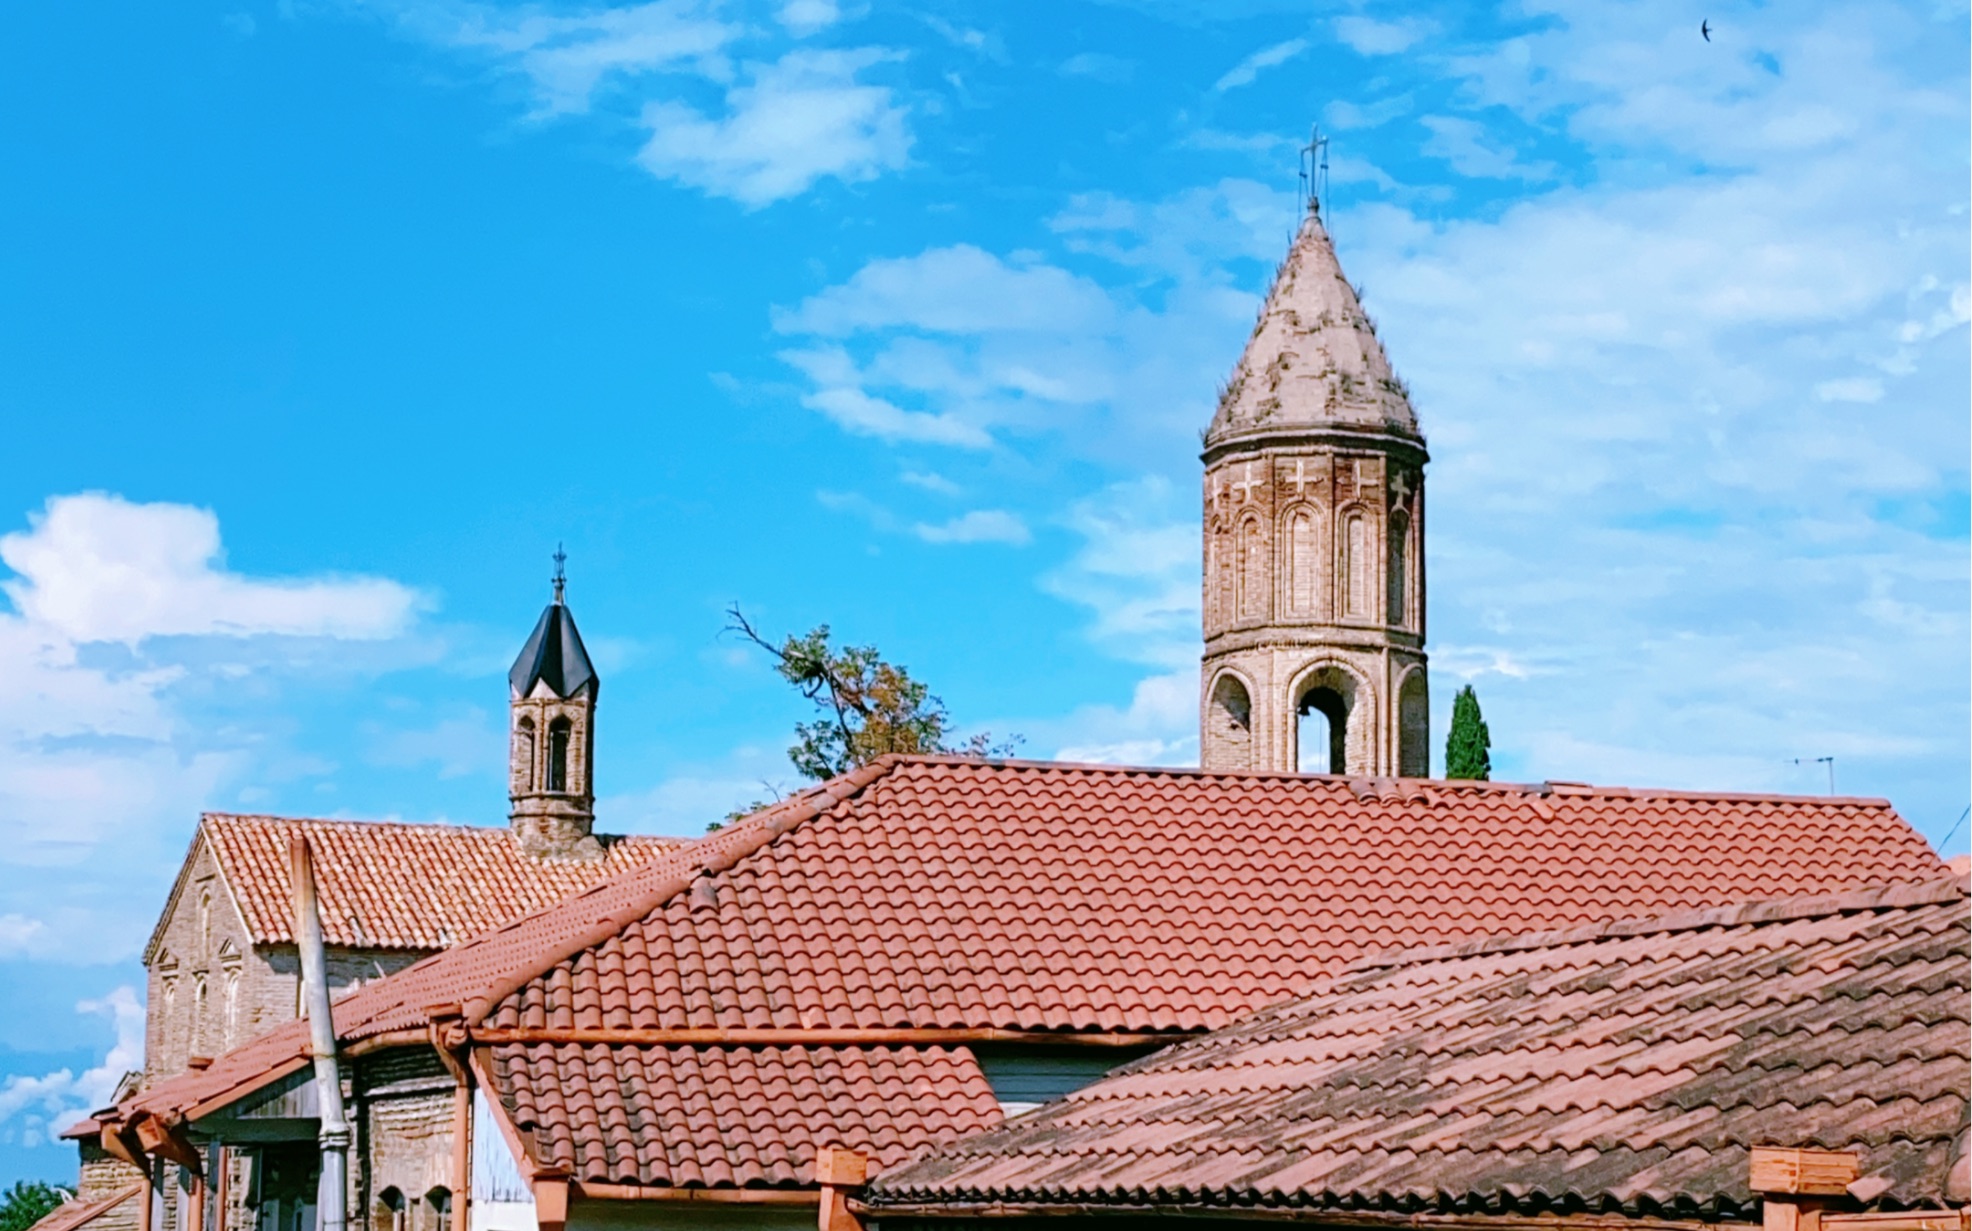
x: 839, y: 1172
x: 145, y: 1215
x: 222, y: 1164
x: 551, y: 1202
x: 462, y: 1155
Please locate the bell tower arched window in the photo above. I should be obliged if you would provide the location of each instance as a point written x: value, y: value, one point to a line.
x: 559, y: 735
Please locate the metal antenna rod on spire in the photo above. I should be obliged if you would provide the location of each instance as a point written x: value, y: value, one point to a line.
x: 561, y: 575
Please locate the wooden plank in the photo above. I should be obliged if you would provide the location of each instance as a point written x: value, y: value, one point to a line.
x: 1822, y: 1173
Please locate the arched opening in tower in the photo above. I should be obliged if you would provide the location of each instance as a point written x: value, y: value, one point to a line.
x: 558, y: 738
x: 1322, y: 731
x: 1230, y: 719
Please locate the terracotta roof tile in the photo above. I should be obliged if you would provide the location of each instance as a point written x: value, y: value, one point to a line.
x: 385, y: 885
x: 954, y: 894
x: 1628, y: 1066
x: 733, y: 1116
x: 934, y: 893
x: 78, y: 1212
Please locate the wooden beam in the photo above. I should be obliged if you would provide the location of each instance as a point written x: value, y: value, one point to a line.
x: 846, y: 1037
x: 168, y: 1141
x: 551, y: 1202
x: 1122, y: 1215
x: 1899, y: 1220
x: 117, y: 1142
x: 694, y: 1196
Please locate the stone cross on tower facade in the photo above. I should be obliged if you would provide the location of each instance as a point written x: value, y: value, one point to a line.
x: 1314, y: 587
x: 552, y: 763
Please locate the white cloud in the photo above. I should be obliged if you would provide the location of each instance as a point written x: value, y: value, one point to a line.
x: 805, y: 17
x: 1158, y: 727
x: 16, y: 932
x: 567, y: 58
x: 121, y: 612
x: 1249, y: 69
x: 1098, y: 66
x: 977, y: 526
x: 1850, y: 389
x: 1137, y: 571
x: 958, y: 345
x: 959, y: 289
x: 1466, y: 146
x: 786, y: 118
x: 931, y: 481
x: 805, y: 117
x: 96, y: 567
x: 1370, y: 37
x: 34, y: 1110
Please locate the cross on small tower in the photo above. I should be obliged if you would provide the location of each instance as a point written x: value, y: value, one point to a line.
x: 561, y: 575
x: 1246, y: 485
x: 1401, y: 485
x: 1302, y: 479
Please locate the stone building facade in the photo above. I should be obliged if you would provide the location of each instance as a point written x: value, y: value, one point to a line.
x: 1313, y: 542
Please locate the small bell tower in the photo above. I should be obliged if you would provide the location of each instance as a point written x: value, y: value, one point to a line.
x: 551, y: 767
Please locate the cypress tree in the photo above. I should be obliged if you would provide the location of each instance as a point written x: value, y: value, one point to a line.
x: 1466, y: 748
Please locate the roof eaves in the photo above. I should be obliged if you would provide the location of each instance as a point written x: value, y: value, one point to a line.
x: 1927, y: 892
x: 718, y: 852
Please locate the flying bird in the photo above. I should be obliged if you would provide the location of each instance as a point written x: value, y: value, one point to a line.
x: 1705, y: 28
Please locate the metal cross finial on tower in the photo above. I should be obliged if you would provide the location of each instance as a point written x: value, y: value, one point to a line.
x: 1314, y: 173
x: 561, y: 576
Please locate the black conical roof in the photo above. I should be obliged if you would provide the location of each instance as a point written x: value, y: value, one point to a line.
x: 553, y: 656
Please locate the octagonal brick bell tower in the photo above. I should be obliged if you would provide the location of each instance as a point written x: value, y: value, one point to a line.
x: 1314, y: 534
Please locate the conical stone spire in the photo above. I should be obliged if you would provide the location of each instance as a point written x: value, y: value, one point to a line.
x: 1314, y: 360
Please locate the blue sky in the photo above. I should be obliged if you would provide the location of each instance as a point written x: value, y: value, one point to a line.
x: 321, y: 323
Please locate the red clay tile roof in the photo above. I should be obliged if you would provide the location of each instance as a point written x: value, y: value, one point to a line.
x: 932, y: 892
x: 77, y: 1212
x: 674, y: 1117
x: 393, y: 886
x: 1623, y: 1067
x: 1047, y: 897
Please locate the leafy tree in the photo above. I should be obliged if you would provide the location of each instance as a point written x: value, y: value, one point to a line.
x: 28, y: 1202
x: 866, y: 707
x: 1467, y: 748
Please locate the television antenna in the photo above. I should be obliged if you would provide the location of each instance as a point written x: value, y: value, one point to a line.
x: 1828, y: 761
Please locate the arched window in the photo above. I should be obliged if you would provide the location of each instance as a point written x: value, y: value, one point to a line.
x: 438, y: 1210
x: 388, y: 1214
x: 232, y: 994
x: 1355, y: 566
x: 1414, y: 727
x: 558, y: 738
x: 1226, y: 600
x: 1303, y: 567
x: 1252, y: 571
x: 205, y: 921
x: 198, y: 1029
x: 1399, y: 578
x: 523, y: 767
